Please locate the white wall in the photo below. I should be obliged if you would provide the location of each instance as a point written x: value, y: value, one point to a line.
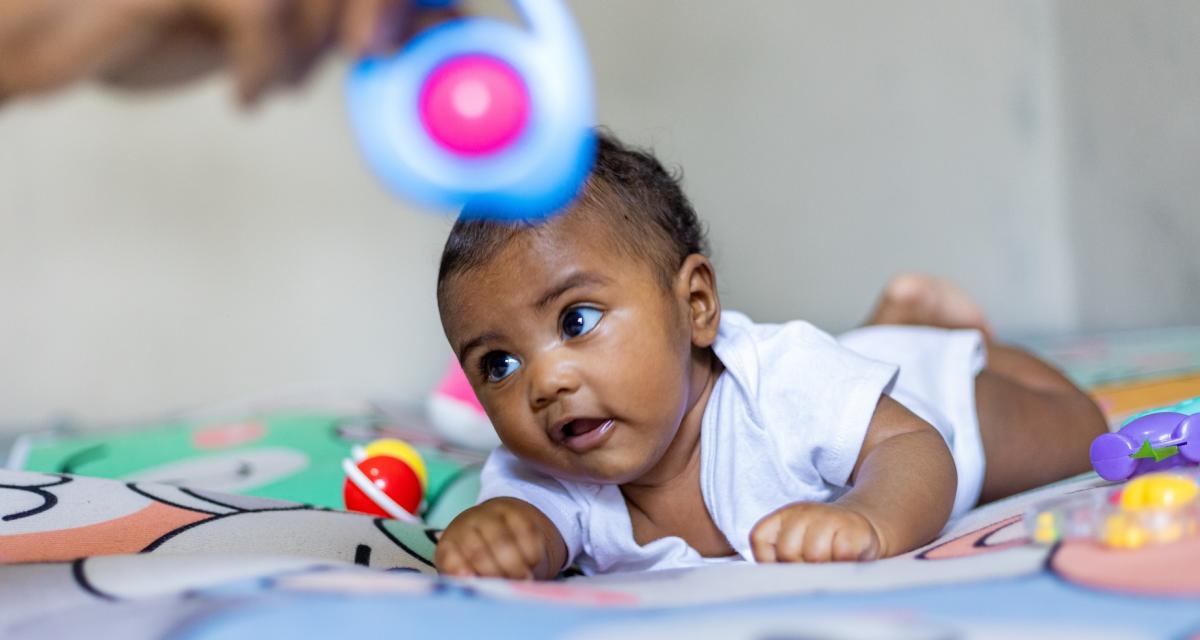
x: 830, y: 144
x: 166, y: 252
x: 1131, y: 87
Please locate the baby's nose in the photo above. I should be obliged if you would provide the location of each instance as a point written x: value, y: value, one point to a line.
x: 552, y: 378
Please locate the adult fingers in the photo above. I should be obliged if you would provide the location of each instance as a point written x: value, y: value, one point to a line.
x: 256, y: 41
x: 368, y: 25
x: 54, y: 42
x: 181, y: 55
x: 373, y: 27
x: 315, y: 22
x: 422, y: 19
x: 313, y: 27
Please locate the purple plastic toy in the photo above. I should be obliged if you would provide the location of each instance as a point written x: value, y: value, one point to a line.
x: 1153, y: 442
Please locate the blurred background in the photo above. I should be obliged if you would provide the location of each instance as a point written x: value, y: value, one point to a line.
x: 165, y: 251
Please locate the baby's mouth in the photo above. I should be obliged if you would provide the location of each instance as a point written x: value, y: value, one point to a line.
x: 584, y: 434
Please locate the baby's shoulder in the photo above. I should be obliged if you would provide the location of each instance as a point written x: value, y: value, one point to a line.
x: 792, y: 335
x: 768, y: 349
x: 793, y: 367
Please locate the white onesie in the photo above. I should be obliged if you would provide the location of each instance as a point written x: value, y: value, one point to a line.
x: 784, y: 423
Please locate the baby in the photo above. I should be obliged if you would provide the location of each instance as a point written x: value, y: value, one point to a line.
x: 644, y: 428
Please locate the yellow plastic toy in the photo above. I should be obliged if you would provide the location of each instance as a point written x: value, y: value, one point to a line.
x: 1156, y: 508
x: 1158, y: 491
x: 1153, y: 509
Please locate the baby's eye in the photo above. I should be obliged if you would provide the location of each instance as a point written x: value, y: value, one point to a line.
x: 580, y: 320
x: 498, y: 365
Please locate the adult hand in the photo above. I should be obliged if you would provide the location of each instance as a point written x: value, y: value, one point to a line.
x: 47, y: 44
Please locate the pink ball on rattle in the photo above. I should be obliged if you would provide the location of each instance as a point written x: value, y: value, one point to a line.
x: 474, y: 104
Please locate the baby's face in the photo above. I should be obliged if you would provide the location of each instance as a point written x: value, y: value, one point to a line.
x: 580, y: 355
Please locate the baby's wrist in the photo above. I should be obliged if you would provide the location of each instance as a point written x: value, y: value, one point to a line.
x: 878, y: 522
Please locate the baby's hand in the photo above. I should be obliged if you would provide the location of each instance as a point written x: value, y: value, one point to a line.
x: 501, y: 538
x: 815, y: 532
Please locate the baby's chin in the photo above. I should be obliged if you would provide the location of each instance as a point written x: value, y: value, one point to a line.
x: 600, y: 467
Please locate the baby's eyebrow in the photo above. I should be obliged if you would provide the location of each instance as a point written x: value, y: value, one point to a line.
x: 577, y: 279
x: 474, y: 343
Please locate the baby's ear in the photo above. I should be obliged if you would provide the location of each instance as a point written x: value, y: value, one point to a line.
x: 697, y: 284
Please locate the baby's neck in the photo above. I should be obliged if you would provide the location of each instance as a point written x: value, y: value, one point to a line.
x: 668, y: 501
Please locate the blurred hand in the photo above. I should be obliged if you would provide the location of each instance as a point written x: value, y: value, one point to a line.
x: 264, y: 44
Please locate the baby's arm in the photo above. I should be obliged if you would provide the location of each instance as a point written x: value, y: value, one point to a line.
x: 904, y: 484
x: 502, y: 538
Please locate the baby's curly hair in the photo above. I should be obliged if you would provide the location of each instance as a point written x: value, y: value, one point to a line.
x: 628, y: 192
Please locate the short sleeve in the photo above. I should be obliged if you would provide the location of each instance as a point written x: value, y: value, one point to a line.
x: 504, y: 476
x: 818, y: 399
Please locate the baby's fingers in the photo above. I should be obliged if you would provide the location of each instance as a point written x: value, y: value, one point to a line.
x: 764, y: 536
x: 803, y: 539
x: 819, y: 541
x: 505, y: 551
x: 478, y: 555
x: 853, y: 544
x: 450, y: 560
x: 529, y: 542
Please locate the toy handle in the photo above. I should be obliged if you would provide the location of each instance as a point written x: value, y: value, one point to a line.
x: 1188, y: 433
x: 1110, y: 456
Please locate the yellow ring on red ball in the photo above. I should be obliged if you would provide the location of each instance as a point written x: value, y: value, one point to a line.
x: 404, y: 451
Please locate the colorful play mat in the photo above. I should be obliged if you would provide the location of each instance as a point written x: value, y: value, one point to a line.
x: 282, y: 456
x: 232, y: 528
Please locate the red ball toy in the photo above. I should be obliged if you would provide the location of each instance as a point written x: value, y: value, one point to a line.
x: 392, y: 478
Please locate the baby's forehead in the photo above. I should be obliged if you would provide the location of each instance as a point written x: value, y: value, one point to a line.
x: 537, y: 257
x: 577, y: 232
x: 497, y: 255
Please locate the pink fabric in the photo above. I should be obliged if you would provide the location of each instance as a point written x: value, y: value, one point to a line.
x: 455, y: 385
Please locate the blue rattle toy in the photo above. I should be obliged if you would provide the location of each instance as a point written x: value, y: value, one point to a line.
x: 480, y: 114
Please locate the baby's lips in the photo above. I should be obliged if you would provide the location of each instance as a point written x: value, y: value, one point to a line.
x: 593, y: 434
x: 581, y: 426
x: 557, y: 429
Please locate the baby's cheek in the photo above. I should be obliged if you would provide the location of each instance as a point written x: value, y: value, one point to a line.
x: 519, y: 441
x: 509, y: 418
x: 532, y: 448
x: 653, y: 384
